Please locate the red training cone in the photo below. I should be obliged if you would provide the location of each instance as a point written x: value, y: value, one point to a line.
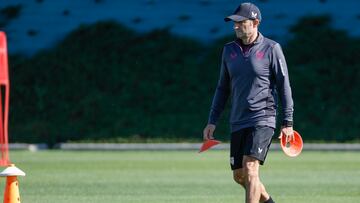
x: 207, y: 144
x: 292, y: 148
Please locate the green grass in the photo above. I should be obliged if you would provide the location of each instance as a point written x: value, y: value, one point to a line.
x: 188, y: 177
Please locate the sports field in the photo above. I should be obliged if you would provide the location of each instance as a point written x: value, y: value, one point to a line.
x: 186, y: 176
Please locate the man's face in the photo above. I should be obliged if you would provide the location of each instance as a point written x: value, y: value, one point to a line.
x: 244, y: 29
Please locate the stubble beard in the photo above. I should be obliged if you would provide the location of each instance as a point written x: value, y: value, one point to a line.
x: 245, y: 36
x: 242, y: 35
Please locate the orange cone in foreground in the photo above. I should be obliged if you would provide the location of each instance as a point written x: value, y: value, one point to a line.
x: 292, y: 148
x: 11, y: 194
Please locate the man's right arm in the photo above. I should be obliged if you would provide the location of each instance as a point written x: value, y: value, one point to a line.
x: 221, y: 95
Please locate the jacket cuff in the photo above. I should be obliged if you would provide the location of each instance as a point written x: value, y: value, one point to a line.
x: 212, y: 121
x: 287, y: 123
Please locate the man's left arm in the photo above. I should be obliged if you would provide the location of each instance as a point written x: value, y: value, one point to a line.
x: 284, y: 90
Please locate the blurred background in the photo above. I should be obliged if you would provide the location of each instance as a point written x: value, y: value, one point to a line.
x: 146, y: 70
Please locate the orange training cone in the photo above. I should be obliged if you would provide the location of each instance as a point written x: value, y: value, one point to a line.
x: 208, y: 144
x: 11, y: 194
x: 292, y: 148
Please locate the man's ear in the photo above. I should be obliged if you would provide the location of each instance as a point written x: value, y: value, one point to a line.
x: 256, y: 22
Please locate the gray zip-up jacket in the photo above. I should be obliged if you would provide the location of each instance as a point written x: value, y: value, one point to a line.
x: 253, y: 81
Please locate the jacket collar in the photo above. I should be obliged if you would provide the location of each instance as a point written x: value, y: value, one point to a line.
x: 259, y: 39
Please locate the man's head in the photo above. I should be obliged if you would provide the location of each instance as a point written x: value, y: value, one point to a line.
x: 246, y: 20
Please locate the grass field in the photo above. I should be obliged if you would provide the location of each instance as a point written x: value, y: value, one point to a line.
x: 188, y: 177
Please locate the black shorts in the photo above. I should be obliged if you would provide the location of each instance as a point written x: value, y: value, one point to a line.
x: 253, y: 141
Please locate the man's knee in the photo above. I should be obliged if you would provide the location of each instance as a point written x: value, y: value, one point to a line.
x: 251, y: 168
x: 239, y: 177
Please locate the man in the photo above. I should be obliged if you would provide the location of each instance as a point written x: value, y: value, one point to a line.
x: 253, y: 72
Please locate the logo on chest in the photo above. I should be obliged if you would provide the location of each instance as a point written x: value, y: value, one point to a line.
x: 260, y: 55
x: 233, y: 55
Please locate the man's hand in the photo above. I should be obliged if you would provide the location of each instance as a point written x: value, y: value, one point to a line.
x: 208, y: 133
x: 288, y: 132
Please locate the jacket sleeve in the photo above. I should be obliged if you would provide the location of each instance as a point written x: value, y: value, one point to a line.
x: 222, y: 93
x: 283, y: 84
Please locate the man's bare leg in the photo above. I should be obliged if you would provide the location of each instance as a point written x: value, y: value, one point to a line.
x: 264, y: 195
x: 252, y: 181
x: 239, y: 178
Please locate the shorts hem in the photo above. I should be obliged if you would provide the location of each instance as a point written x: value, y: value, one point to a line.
x: 261, y: 161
